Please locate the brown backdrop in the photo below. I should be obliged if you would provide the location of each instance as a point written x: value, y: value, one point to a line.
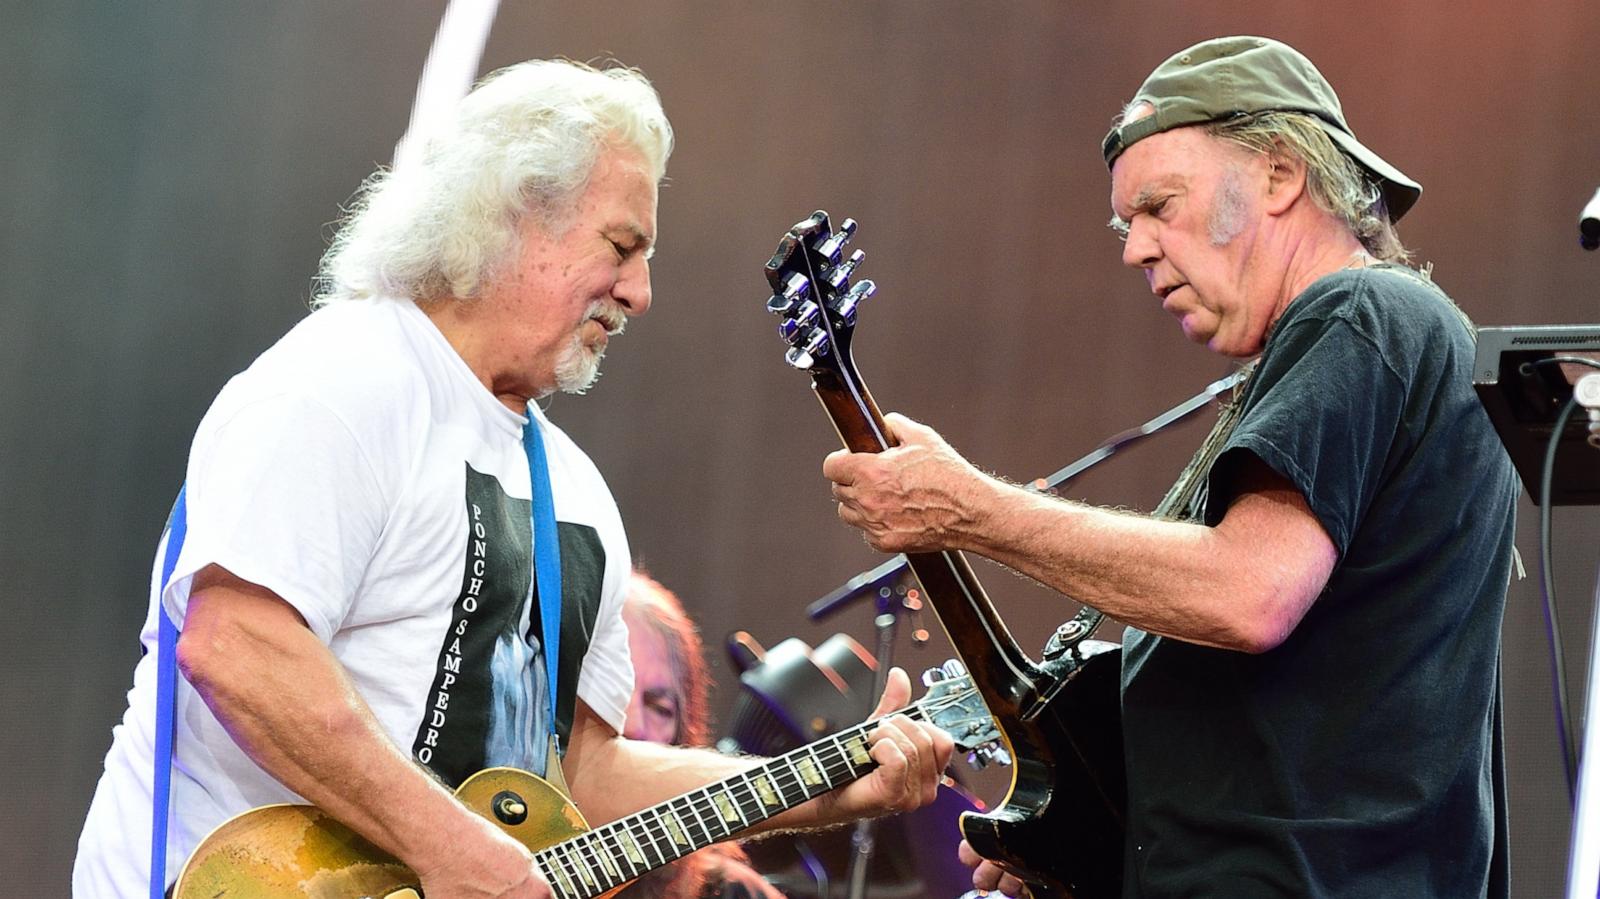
x: 168, y: 173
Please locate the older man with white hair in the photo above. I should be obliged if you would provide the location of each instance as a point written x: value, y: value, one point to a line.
x: 390, y: 570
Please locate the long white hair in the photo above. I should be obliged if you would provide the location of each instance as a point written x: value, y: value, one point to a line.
x: 524, y: 143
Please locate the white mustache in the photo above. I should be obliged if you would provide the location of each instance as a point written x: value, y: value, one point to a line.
x: 610, y: 316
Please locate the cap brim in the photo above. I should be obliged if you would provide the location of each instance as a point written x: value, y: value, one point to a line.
x: 1400, y: 193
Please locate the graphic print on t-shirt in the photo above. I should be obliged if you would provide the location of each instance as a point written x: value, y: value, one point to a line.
x: 489, y: 702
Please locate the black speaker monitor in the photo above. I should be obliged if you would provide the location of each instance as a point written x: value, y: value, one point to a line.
x: 1524, y: 399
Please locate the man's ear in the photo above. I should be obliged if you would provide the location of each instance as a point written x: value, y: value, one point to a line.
x: 1286, y: 181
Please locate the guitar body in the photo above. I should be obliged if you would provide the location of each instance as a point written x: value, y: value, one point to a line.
x: 282, y: 851
x: 287, y: 851
x: 1062, y: 823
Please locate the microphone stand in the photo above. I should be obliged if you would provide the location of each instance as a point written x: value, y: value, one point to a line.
x: 893, y: 586
x: 862, y: 841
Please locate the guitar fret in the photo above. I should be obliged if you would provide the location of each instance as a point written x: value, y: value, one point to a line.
x: 820, y: 765
x: 542, y: 862
x: 749, y: 808
x: 842, y: 764
x: 630, y: 849
x: 658, y: 836
x: 584, y: 871
x: 602, y: 859
x: 620, y: 858
x: 603, y: 853
x: 799, y: 780
x: 810, y: 774
x: 711, y: 814
x: 766, y: 791
x: 649, y: 828
x: 694, y: 810
x: 560, y: 871
x: 828, y: 756
x: 674, y: 828
x: 594, y: 856
x: 858, y: 749
x: 731, y: 814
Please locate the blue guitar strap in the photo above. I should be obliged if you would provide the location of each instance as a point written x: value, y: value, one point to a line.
x: 546, y: 553
x: 166, y: 701
x: 547, y: 571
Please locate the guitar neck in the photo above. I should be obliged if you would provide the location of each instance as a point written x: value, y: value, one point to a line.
x: 1002, y: 671
x: 608, y: 857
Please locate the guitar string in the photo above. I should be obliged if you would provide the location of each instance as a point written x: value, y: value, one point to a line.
x: 703, y: 801
x: 606, y: 841
x: 838, y: 767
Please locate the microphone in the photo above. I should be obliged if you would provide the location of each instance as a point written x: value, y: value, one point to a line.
x: 1589, y: 224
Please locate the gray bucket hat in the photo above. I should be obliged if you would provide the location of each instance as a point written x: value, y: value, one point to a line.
x: 1229, y: 76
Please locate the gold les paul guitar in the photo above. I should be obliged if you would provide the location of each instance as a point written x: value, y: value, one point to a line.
x: 299, y: 851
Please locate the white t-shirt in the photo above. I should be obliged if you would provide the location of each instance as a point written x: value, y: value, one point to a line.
x: 362, y: 473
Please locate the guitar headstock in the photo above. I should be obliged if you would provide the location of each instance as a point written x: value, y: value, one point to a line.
x: 954, y: 705
x: 811, y: 291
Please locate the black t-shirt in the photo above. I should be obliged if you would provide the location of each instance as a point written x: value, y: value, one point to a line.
x: 1362, y: 756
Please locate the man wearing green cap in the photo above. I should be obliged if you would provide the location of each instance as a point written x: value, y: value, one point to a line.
x: 1319, y: 628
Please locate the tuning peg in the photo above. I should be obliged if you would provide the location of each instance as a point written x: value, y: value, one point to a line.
x: 792, y: 328
x: 846, y: 305
x: 840, y: 275
x: 933, y: 676
x: 830, y: 248
x: 796, y: 286
x: 795, y: 289
x: 816, y: 220
x: 813, y: 346
x: 954, y: 668
x: 805, y: 354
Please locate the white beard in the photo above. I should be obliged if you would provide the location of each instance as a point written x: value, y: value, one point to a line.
x: 578, y: 366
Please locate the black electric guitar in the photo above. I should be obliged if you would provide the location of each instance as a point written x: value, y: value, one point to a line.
x: 281, y: 851
x: 1060, y: 826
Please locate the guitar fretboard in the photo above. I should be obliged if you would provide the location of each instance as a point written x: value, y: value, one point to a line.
x: 608, y: 857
